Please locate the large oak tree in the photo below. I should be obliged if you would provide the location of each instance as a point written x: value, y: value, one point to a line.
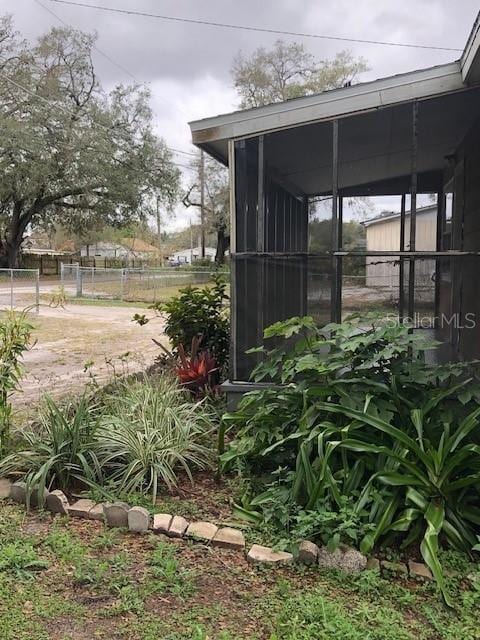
x: 70, y: 152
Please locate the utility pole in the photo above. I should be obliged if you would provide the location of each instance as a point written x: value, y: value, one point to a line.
x: 202, y: 202
x: 191, y: 242
x: 159, y: 231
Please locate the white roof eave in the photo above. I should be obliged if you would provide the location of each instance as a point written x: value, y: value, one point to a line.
x: 470, y: 60
x: 416, y: 85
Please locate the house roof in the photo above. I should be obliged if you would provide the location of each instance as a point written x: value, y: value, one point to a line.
x: 137, y: 245
x: 213, y: 133
x: 386, y: 216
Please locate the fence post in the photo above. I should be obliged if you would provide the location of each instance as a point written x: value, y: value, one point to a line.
x: 79, y: 282
x: 37, y: 290
x: 11, y: 289
x: 122, y: 283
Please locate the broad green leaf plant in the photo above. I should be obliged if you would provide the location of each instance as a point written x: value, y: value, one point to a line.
x: 361, y: 441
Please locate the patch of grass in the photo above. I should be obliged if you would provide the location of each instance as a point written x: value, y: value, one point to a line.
x: 65, y: 546
x: 167, y: 574
x: 144, y: 588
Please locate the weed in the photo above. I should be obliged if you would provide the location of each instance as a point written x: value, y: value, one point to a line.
x: 107, y: 539
x: 20, y: 559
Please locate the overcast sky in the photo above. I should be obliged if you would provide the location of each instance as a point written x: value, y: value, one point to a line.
x: 187, y: 67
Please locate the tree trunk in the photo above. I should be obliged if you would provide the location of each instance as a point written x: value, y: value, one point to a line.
x: 223, y: 243
x: 14, y: 236
x: 9, y: 253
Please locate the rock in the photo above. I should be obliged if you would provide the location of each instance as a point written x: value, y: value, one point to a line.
x: 96, y: 513
x: 178, y: 527
x: 204, y: 531
x: 419, y: 570
x: 161, y: 522
x: 18, y: 492
x: 36, y: 501
x: 344, y: 559
x: 307, y: 552
x: 81, y: 508
x: 57, y: 502
x: 394, y: 568
x: 5, y: 486
x: 138, y: 520
x: 264, y: 554
x: 116, y: 514
x: 373, y: 564
x: 228, y: 538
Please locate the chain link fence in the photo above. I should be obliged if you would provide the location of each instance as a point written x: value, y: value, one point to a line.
x: 129, y: 285
x: 19, y: 289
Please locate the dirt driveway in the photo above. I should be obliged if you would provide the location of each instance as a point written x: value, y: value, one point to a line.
x: 78, y: 342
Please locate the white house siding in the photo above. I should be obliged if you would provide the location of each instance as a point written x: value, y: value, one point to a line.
x: 104, y: 250
x: 384, y: 235
x: 186, y: 255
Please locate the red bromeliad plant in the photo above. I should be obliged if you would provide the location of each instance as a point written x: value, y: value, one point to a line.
x: 197, y: 371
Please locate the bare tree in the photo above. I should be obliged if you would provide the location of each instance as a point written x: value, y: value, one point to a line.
x: 217, y: 202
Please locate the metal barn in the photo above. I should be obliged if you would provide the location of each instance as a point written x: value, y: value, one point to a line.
x: 404, y: 135
x: 383, y: 233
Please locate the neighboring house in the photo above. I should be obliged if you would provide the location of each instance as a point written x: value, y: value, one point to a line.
x: 103, y: 250
x: 126, y: 248
x: 39, y: 244
x: 416, y: 132
x: 187, y: 256
x: 140, y: 249
x: 384, y: 233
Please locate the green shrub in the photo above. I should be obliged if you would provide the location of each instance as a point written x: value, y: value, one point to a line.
x: 383, y: 447
x: 58, y: 450
x: 148, y: 432
x: 15, y: 337
x: 198, y: 311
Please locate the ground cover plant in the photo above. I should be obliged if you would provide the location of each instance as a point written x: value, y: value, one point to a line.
x: 363, y: 443
x: 137, y: 435
x: 58, y: 450
x: 150, y: 429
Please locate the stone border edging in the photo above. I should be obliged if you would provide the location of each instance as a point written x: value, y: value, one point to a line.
x: 138, y: 520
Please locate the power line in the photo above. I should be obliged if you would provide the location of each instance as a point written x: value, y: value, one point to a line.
x: 71, y: 114
x: 185, y: 153
x: 239, y: 27
x: 108, y: 57
x: 97, y: 49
